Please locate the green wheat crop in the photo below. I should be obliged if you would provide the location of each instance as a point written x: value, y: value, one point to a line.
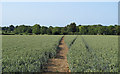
x: 91, y: 53
x: 27, y: 53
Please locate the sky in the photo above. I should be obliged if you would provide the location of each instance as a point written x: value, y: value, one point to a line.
x: 59, y: 13
x: 60, y: 0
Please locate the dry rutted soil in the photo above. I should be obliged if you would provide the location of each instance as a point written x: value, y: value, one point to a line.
x: 59, y: 63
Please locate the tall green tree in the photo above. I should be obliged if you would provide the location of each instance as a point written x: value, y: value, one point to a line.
x: 82, y: 30
x: 71, y: 27
x: 36, y: 29
x: 20, y: 29
x: 11, y: 28
x: 44, y: 30
x: 49, y: 30
x: 56, y: 31
x: 29, y: 30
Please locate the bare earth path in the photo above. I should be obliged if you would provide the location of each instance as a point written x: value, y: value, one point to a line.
x: 59, y: 63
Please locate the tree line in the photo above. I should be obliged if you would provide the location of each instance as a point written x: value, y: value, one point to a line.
x: 70, y: 29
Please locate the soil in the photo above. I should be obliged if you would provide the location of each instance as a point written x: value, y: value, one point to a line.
x: 59, y: 63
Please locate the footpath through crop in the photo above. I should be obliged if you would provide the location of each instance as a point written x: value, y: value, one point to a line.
x: 59, y: 63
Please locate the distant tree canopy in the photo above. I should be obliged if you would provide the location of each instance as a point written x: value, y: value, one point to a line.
x: 70, y: 29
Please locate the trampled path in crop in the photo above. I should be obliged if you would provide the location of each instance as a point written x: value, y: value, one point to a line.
x: 59, y: 63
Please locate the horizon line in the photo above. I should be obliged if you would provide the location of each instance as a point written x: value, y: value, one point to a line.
x: 58, y: 25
